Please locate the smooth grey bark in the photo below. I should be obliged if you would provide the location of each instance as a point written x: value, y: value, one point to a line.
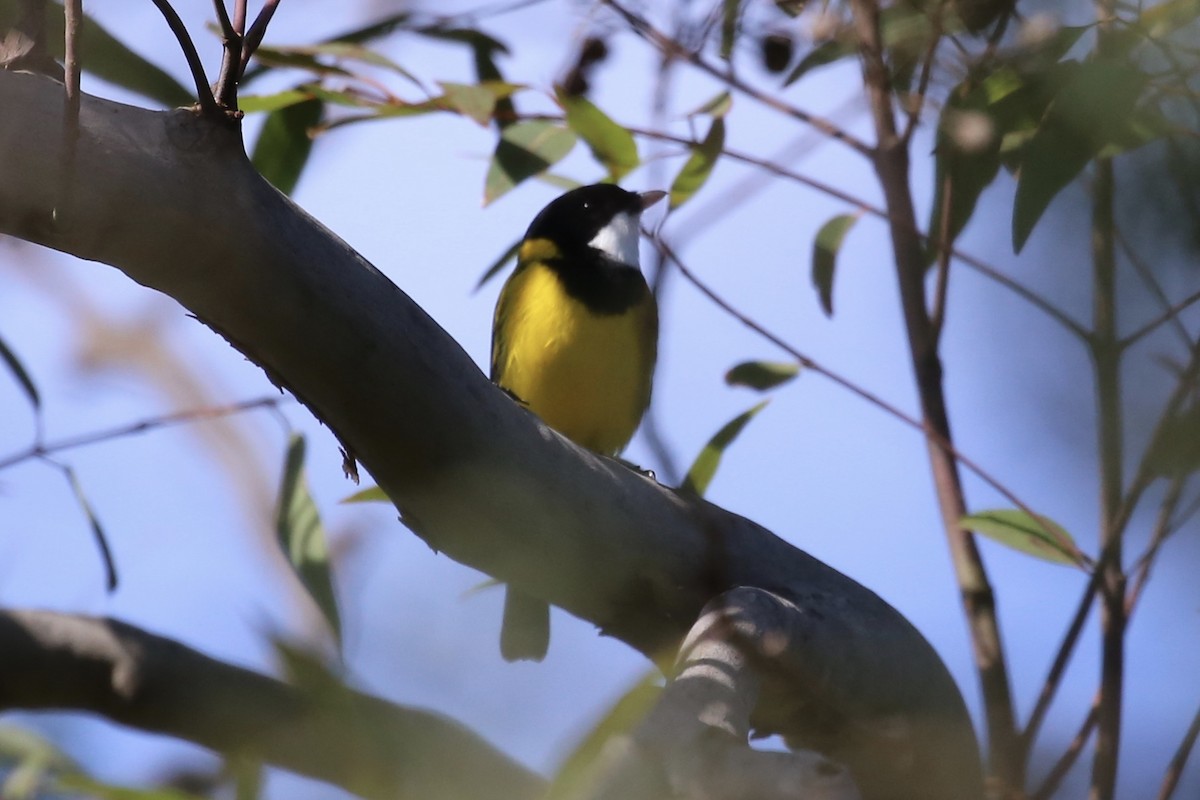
x: 170, y: 199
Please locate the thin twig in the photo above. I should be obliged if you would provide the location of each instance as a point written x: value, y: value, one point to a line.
x: 1162, y: 529
x: 257, y: 30
x: 204, y: 94
x: 1061, y: 767
x: 1179, y: 761
x: 1054, y: 677
x: 937, y: 314
x: 872, y: 398
x: 666, y: 44
x: 231, y: 59
x: 72, y: 20
x: 917, y: 101
x: 1170, y: 312
x: 891, y: 162
x: 141, y: 426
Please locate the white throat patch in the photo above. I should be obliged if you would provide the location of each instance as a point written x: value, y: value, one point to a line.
x: 619, y: 239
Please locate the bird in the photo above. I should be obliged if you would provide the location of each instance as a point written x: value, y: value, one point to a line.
x: 575, y: 339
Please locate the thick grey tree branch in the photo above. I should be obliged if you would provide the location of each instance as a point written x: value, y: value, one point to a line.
x: 373, y: 748
x: 171, y: 200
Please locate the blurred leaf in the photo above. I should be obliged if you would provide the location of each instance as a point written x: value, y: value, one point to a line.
x: 761, y: 375
x: 1162, y: 19
x: 524, y: 150
x: 825, y: 53
x: 373, y: 30
x: 21, y: 374
x: 98, y: 790
x: 611, y: 145
x: 498, y: 265
x: 719, y: 106
x: 285, y: 142
x: 1041, y: 536
x: 699, y: 165
x: 27, y: 762
x: 303, y: 538
x: 110, y: 568
x: 106, y: 57
x: 371, y: 494
x: 729, y: 27
x: 308, y: 57
x: 578, y: 771
x: 256, y: 103
x: 1091, y: 111
x: 1175, y: 450
x: 477, y: 101
x: 977, y: 15
x: 967, y: 160
x: 701, y: 473
x: 824, y: 258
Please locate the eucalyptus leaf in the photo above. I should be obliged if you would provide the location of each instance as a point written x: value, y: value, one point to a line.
x: 704, y: 468
x: 824, y: 256
x: 1036, y: 536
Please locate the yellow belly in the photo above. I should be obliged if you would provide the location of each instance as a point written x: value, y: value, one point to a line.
x: 586, y: 374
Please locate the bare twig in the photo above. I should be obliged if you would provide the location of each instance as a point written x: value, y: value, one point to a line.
x: 891, y: 163
x: 1061, y: 659
x: 1179, y: 761
x: 72, y: 20
x: 1162, y: 529
x: 257, y: 30
x: 204, y: 94
x: 1061, y: 767
x: 667, y: 45
x: 41, y: 450
x: 872, y: 398
x: 231, y: 57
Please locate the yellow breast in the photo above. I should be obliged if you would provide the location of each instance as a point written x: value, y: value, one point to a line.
x: 586, y: 374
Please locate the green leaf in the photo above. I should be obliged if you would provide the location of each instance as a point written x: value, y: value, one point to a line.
x: 302, y: 536
x: 79, y: 784
x: 105, y: 57
x: 824, y: 258
x: 729, y: 26
x: 718, y: 106
x: 699, y: 165
x: 371, y: 494
x: 1037, y: 536
x: 254, y: 104
x: 21, y: 374
x: 967, y: 160
x: 1091, y: 111
x: 110, y: 567
x: 283, y: 146
x: 524, y: 150
x: 477, y: 101
x: 1175, y: 450
x: 701, y: 473
x: 762, y: 375
x: 577, y: 775
x: 825, y: 53
x: 498, y: 265
x: 29, y: 762
x: 611, y: 145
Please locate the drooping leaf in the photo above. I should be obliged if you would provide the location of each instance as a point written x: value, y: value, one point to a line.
x: 1037, y: 536
x: 611, y: 145
x: 578, y: 772
x: 967, y: 160
x: 21, y: 374
x: 701, y: 473
x: 302, y: 536
x: 497, y: 266
x: 1090, y: 111
x: 762, y: 375
x: 105, y: 56
x: 371, y: 494
x: 824, y: 258
x: 285, y: 142
x: 106, y: 559
x: 826, y: 52
x: 699, y: 165
x: 524, y: 150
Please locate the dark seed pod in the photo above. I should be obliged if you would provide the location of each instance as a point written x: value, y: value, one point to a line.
x: 777, y: 49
